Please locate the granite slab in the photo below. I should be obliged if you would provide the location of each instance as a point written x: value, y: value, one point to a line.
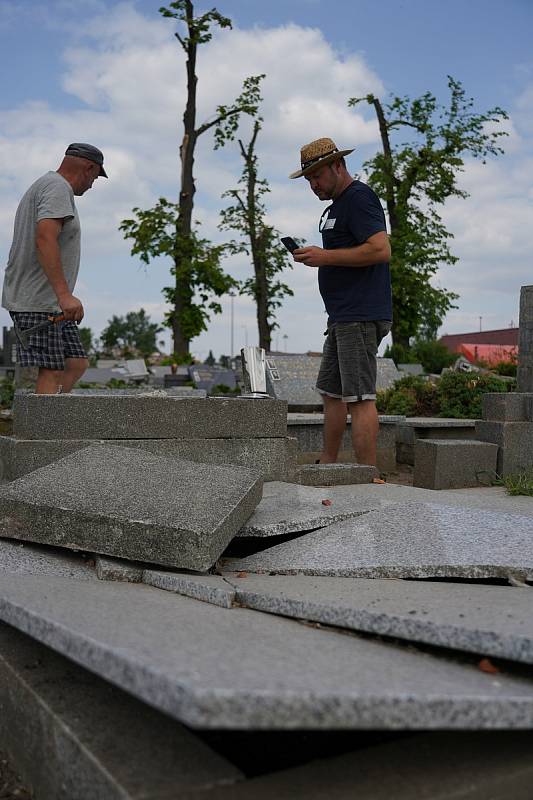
x: 32, y: 559
x: 214, y: 668
x: 114, y: 569
x: 69, y: 416
x: 208, y: 588
x: 491, y: 620
x: 131, y: 504
x: 75, y: 737
x: 290, y: 508
x: 335, y: 474
x: 407, y: 540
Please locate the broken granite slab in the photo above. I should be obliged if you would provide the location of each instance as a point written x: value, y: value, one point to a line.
x: 208, y: 588
x: 212, y: 667
x: 130, y: 504
x: 290, y: 508
x: 73, y: 736
x: 114, y: 569
x: 408, y: 540
x: 69, y: 416
x: 492, y: 620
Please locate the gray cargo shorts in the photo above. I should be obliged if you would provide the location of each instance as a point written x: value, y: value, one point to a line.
x: 348, y: 367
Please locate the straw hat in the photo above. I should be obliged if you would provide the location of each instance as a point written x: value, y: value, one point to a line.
x: 318, y: 154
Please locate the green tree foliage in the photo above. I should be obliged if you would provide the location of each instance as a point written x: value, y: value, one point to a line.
x: 415, y: 178
x: 86, y: 337
x: 134, y: 331
x: 433, y: 355
x: 196, y: 270
x: 260, y: 241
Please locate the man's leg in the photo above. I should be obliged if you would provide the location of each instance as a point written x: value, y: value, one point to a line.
x: 74, y: 369
x: 49, y: 381
x: 335, y: 413
x: 365, y: 426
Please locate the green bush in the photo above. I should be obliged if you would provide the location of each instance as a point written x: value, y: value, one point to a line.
x: 459, y: 393
x: 7, y: 392
x: 411, y: 395
x: 399, y: 354
x: 508, y: 368
x: 433, y: 355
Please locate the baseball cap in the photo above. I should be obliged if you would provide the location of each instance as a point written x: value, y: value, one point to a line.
x: 88, y: 151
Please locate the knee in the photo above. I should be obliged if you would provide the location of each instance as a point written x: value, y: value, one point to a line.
x: 76, y: 366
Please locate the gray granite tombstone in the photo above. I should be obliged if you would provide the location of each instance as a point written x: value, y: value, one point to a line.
x: 525, y: 343
x: 206, y: 377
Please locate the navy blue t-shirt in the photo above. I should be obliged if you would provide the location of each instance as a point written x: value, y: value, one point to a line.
x: 353, y: 294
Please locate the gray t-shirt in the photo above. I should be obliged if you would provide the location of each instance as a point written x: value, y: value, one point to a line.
x: 26, y: 287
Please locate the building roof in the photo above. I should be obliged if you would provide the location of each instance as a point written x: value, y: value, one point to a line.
x: 507, y: 337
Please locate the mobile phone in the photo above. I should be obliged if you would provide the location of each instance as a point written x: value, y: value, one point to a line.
x: 289, y: 243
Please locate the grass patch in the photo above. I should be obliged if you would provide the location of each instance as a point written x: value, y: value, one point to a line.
x: 520, y: 483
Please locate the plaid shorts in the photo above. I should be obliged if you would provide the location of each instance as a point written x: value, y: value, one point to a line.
x: 348, y: 367
x: 49, y: 346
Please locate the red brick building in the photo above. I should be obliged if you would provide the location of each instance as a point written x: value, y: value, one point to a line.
x: 487, y: 346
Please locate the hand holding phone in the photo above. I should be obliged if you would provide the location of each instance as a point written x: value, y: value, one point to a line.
x: 289, y: 243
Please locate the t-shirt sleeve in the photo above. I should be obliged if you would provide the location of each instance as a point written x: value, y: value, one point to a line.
x: 366, y: 216
x: 54, y: 202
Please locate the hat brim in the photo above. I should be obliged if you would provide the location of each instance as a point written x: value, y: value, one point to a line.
x: 102, y: 172
x: 321, y: 163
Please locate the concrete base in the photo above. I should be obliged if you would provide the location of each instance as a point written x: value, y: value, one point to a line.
x: 274, y: 458
x: 414, y: 428
x: 515, y: 443
x: 335, y: 474
x: 72, y: 735
x: 454, y: 463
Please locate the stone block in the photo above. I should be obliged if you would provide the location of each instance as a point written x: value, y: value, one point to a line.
x: 130, y: 504
x: 334, y: 474
x: 491, y: 620
x: 69, y: 416
x: 507, y: 406
x: 274, y: 458
x: 515, y: 442
x: 407, y: 540
x: 211, y: 667
x: 413, y: 428
x: 113, y: 569
x: 73, y: 736
x: 207, y: 588
x: 454, y: 463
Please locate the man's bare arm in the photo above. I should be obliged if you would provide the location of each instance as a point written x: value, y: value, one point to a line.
x: 375, y: 250
x: 49, y: 255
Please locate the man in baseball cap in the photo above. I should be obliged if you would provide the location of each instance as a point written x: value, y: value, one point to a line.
x: 42, y: 269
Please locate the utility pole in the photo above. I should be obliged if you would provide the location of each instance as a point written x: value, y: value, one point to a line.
x: 232, y: 295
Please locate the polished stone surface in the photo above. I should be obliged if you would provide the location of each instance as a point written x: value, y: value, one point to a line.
x: 407, y: 540
x: 130, y: 504
x: 235, y: 668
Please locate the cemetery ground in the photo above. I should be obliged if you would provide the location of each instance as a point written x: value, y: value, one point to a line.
x: 191, y: 608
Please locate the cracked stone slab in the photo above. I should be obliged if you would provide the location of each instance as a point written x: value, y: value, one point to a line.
x: 130, y: 504
x: 208, y: 588
x: 213, y: 668
x: 290, y: 508
x: 29, y: 559
x: 72, y: 735
x: 407, y: 540
x: 491, y: 620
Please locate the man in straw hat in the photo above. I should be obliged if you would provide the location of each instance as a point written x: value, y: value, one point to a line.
x: 354, y: 281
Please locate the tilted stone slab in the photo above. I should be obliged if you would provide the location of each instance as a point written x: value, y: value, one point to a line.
x: 208, y: 588
x: 128, y: 503
x: 73, y: 736
x: 290, y: 508
x: 274, y: 458
x: 491, y: 620
x: 235, y: 668
x: 68, y: 416
x: 408, y: 540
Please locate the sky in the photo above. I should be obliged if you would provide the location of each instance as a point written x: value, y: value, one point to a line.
x: 113, y: 74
